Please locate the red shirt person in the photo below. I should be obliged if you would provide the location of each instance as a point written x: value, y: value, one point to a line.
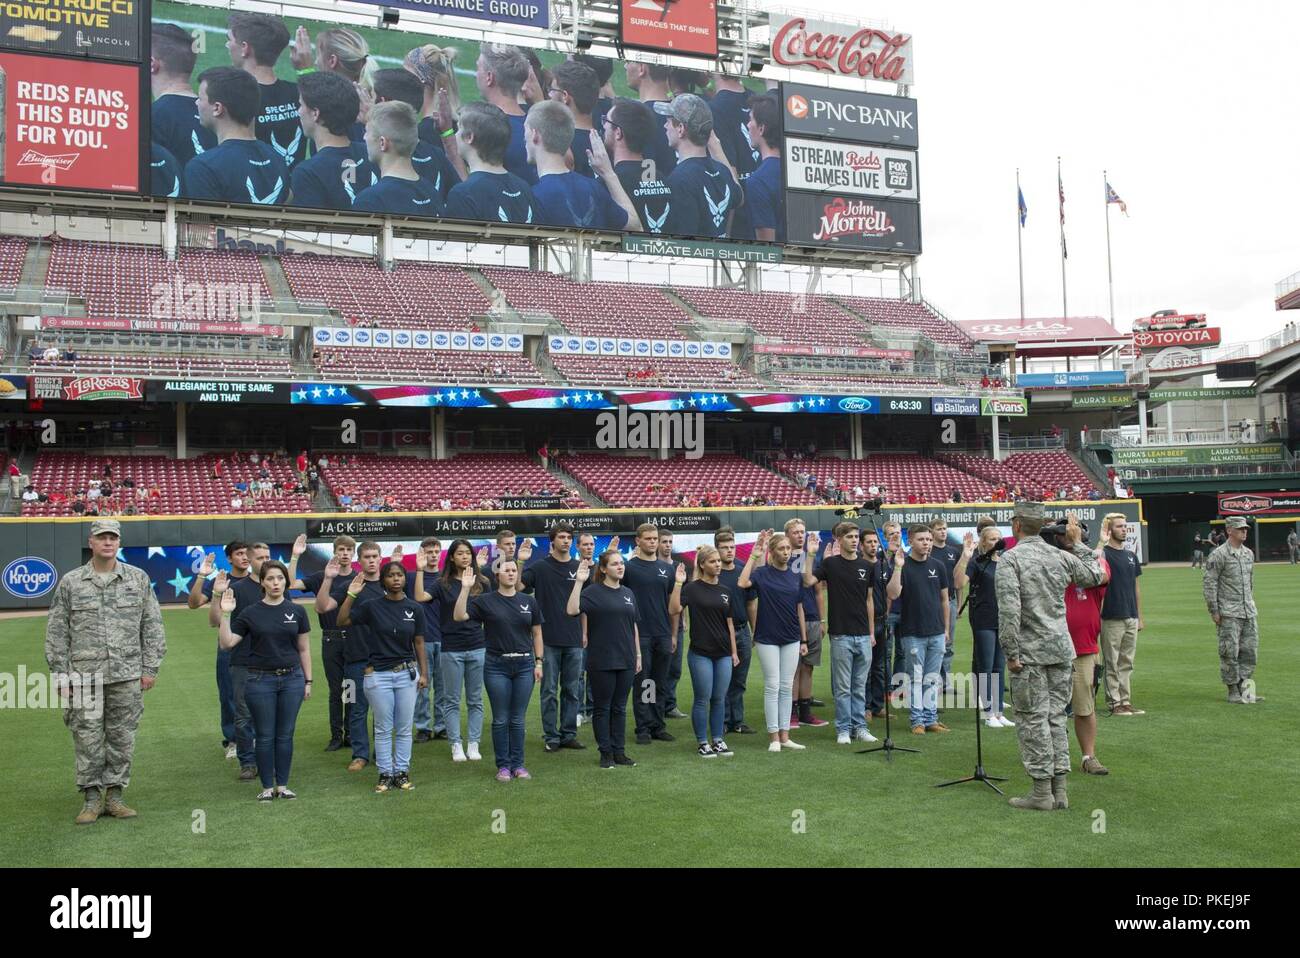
x: 1083, y: 619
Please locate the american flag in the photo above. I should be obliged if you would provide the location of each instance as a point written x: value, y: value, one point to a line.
x: 1113, y: 197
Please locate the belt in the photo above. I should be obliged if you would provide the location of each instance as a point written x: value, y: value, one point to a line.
x: 334, y: 633
x: 510, y: 655
x: 399, y: 667
x: 287, y: 671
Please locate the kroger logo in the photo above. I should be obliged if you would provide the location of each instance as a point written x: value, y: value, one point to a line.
x: 624, y: 347
x: 590, y: 345
x: 322, y: 335
x: 709, y: 349
x: 441, y: 339
x: 607, y: 346
x: 574, y: 345
x: 724, y: 349
x: 557, y: 344
x: 660, y: 349
x: 856, y: 404
x: 402, y: 339
x: 643, y: 347
x: 675, y: 349
x: 460, y: 341
x: 422, y: 339
x: 497, y: 341
x: 341, y: 335
x: 382, y: 339
x: 515, y: 342
x: 30, y: 577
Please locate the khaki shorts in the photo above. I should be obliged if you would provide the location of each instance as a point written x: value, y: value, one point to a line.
x: 1084, y: 698
x: 814, y: 656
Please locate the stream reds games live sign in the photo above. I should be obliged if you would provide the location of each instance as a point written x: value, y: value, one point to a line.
x: 829, y: 167
x: 670, y: 26
x: 1161, y: 338
x: 851, y: 222
x: 841, y: 50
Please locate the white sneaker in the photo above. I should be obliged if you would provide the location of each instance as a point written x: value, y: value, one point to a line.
x: 774, y: 746
x: 992, y: 722
x: 1006, y: 722
x: 457, y: 752
x: 472, y: 752
x: 230, y: 751
x: 864, y: 735
x: 843, y: 738
x: 793, y: 746
x: 579, y: 720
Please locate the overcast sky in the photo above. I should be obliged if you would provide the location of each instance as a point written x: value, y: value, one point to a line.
x: 1190, y: 106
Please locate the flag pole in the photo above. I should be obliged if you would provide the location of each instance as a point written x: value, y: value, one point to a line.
x: 1060, y: 188
x: 1020, y: 247
x: 1110, y: 275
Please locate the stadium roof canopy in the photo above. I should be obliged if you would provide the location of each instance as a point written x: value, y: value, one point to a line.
x: 1043, y: 338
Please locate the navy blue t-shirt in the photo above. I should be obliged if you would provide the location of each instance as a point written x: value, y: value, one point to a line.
x: 652, y: 583
x: 552, y: 583
x: 763, y: 190
x: 508, y: 620
x: 739, y: 597
x: 331, y: 178
x: 278, y: 124
x: 391, y: 629
x: 731, y: 123
x: 812, y: 607
x: 920, y: 605
x: 704, y: 196
x: 401, y: 197
x: 432, y: 608
x: 581, y: 144
x: 174, y: 124
x: 338, y: 592
x: 429, y: 162
x: 611, y: 627
x: 710, y: 607
x: 571, y: 199
x: 271, y: 633
x: 357, y: 640
x: 665, y: 156
x: 948, y: 554
x: 1121, y: 594
x: 850, y: 585
x: 248, y: 592
x: 164, y: 172
x: 780, y: 592
x: 516, y: 160
x: 651, y: 197
x: 493, y: 197
x: 983, y: 606
x: 237, y: 171
x: 456, y: 636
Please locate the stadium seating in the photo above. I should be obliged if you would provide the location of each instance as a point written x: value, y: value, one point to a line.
x: 13, y: 250
x: 670, y: 373
x: 1038, y: 474
x: 903, y: 475
x: 626, y: 481
x: 438, y: 367
x: 156, y: 366
x: 595, y: 309
x: 411, y: 295
x: 421, y: 484
x: 796, y: 319
x: 186, y: 485
x: 909, y: 317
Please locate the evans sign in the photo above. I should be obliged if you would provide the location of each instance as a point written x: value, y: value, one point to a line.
x: 29, y: 577
x: 849, y: 115
x: 849, y: 168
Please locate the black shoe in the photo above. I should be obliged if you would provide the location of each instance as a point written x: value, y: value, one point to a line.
x: 621, y: 758
x: 606, y: 760
x: 385, y: 783
x: 572, y: 743
x: 662, y: 735
x: 402, y: 780
x: 743, y: 729
x: 424, y: 735
x: 347, y: 741
x: 643, y: 738
x: 334, y: 745
x: 551, y: 747
x: 442, y: 734
x: 817, y: 703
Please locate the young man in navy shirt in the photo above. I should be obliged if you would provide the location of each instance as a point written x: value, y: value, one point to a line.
x: 650, y: 81
x: 329, y: 179
x: 921, y: 584
x: 565, y: 198
x: 500, y: 73
x: 164, y: 172
x: 576, y: 86
x: 430, y: 160
x: 628, y: 130
x: 428, y: 722
x: 391, y: 138
x: 255, y: 42
x: 551, y: 580
x: 174, y: 117
x: 651, y: 581
x: 764, y: 186
x: 705, y: 191
x: 491, y: 193
x: 730, y: 108
x: 240, y: 168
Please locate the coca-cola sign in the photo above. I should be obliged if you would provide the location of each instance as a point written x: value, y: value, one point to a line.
x: 832, y: 219
x: 103, y: 387
x: 863, y: 53
x: 1161, y: 338
x: 849, y: 115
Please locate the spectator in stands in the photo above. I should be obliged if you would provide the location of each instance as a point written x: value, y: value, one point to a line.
x: 174, y: 116
x: 330, y: 178
x: 15, y: 479
x: 985, y: 382
x: 501, y: 73
x: 630, y: 129
x: 323, y: 462
x: 391, y: 140
x: 345, y: 501
x: 955, y: 495
x: 30, y: 495
x: 93, y: 492
x: 704, y: 188
x: 240, y: 168
x: 254, y: 458
x: 51, y: 354
x: 444, y: 504
x: 763, y: 187
x: 236, y: 503
x: 650, y: 81
x: 491, y: 192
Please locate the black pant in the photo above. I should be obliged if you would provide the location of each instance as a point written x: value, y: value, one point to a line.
x: 609, y: 690
x: 331, y: 653
x: 877, y: 678
x: 649, y: 693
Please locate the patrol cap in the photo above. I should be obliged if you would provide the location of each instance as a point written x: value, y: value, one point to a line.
x: 106, y: 525
x: 1237, y: 522
x: 691, y: 112
x: 1029, y: 510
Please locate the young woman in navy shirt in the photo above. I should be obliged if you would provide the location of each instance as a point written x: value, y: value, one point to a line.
x: 279, y: 672
x: 613, y: 651
x: 713, y: 646
x: 394, y: 628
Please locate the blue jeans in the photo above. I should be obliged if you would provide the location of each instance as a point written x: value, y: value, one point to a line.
x: 850, y: 666
x: 426, y: 721
x: 924, y: 656
x: 987, y: 660
x: 458, y: 668
x: 358, y: 729
x: 946, y: 666
x: 710, y: 679
x: 509, y: 685
x: 226, y: 696
x: 391, y: 695
x: 245, y: 739
x: 561, y: 676
x: 735, y: 710
x: 274, y: 701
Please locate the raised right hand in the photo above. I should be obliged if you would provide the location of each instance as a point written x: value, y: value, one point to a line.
x: 333, y: 569
x: 899, y: 559
x: 300, y: 53
x: 300, y: 545
x: 209, y: 563
x: 584, y: 570
x: 228, y: 601
x: 468, y: 577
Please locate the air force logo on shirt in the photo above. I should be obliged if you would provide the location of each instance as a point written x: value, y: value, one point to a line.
x: 525, y: 609
x: 726, y: 597
x: 573, y: 576
x: 718, y: 210
x: 862, y: 574
x: 409, y: 615
x: 656, y: 225
x: 933, y: 573
x: 290, y: 617
x: 663, y: 573
x: 627, y: 600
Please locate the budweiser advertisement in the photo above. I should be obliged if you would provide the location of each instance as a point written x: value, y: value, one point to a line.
x: 69, y: 123
x: 85, y: 388
x: 838, y: 49
x: 849, y: 168
x: 849, y: 115
x: 851, y: 222
x: 85, y: 28
x: 1162, y: 338
x: 1259, y: 503
x: 670, y: 26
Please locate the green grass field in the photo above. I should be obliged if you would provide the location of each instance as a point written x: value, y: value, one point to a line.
x: 1196, y: 781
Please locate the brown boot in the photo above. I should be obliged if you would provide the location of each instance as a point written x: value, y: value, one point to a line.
x: 1059, y: 800
x: 114, y: 806
x: 93, y: 808
x: 1040, y: 798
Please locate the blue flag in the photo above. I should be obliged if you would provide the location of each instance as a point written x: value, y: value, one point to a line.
x: 1024, y: 210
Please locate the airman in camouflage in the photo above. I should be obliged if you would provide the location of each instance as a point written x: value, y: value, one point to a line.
x: 1229, y: 585
x: 104, y: 629
x: 1031, y: 583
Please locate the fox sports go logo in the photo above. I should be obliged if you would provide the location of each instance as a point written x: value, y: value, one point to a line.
x: 29, y: 577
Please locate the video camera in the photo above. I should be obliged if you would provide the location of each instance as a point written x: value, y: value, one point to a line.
x: 1054, y: 534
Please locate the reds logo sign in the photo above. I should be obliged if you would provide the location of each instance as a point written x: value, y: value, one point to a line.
x: 846, y: 51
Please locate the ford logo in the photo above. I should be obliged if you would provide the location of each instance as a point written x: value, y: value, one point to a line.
x: 855, y: 404
x: 30, y: 577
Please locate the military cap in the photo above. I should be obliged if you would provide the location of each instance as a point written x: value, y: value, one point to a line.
x: 1029, y: 510
x: 106, y: 525
x: 1237, y: 522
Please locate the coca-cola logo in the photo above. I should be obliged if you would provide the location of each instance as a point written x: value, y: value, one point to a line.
x: 852, y: 218
x: 1246, y: 504
x: 866, y: 53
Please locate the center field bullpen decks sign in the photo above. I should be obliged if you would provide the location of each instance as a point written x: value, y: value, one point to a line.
x: 214, y: 391
x: 85, y: 28
x: 670, y: 26
x: 841, y: 50
x: 1160, y: 338
x: 529, y: 13
x: 849, y: 115
x: 69, y: 123
x: 849, y: 168
x: 1153, y: 456
x: 850, y: 222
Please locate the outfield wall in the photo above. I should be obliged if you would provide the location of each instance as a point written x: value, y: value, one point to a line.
x: 180, y: 542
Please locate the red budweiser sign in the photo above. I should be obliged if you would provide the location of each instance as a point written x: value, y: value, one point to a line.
x: 852, y: 218
x: 103, y: 387
x: 1162, y: 338
x: 843, y: 50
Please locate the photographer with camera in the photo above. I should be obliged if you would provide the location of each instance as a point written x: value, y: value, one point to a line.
x: 978, y: 566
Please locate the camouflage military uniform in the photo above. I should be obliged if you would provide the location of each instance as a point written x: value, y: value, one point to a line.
x: 1228, y: 586
x: 1031, y: 583
x: 106, y: 624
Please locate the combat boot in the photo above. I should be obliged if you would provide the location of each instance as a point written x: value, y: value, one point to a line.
x: 1059, y: 800
x: 1234, y: 694
x: 93, y: 808
x: 114, y: 806
x: 1040, y: 798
